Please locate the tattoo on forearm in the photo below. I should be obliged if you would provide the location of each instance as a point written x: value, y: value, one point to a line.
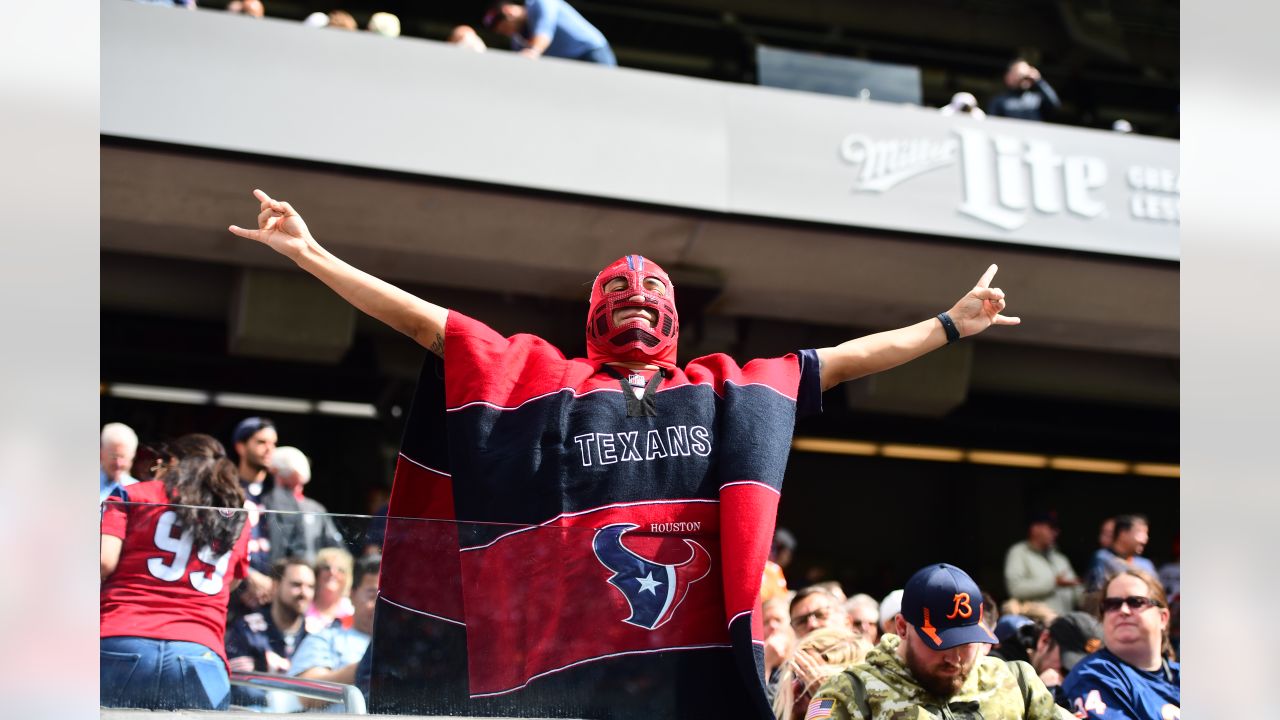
x: 437, y: 345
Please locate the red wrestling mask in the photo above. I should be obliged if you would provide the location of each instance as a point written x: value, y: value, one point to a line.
x: 633, y: 314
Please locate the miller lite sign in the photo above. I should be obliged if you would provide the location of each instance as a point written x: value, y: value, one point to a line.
x: 1003, y: 178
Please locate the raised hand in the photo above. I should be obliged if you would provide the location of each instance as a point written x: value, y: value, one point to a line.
x: 981, y: 307
x: 280, y: 227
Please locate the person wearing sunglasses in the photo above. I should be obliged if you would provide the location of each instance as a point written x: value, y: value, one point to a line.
x: 816, y: 607
x: 1133, y: 676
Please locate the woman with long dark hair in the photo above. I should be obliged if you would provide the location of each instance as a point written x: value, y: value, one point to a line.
x: 172, y: 550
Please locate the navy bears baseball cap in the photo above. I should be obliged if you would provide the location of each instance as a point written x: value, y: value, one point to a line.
x: 945, y: 606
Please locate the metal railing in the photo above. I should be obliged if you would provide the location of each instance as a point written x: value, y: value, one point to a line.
x: 349, y: 695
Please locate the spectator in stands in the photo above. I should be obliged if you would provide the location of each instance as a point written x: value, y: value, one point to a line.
x: 1106, y: 533
x: 818, y: 656
x: 333, y: 653
x: 282, y: 228
x: 1130, y: 677
x: 118, y: 446
x: 864, y: 616
x: 931, y: 666
x: 1018, y: 635
x: 817, y: 607
x: 254, y: 440
x: 774, y: 583
x: 316, y: 19
x: 384, y: 23
x: 549, y: 27
x: 465, y: 36
x: 1027, y: 94
x: 167, y: 570
x: 342, y: 20
x: 332, y: 604
x: 779, y: 639
x: 1122, y: 126
x: 890, y: 609
x: 1060, y: 646
x: 963, y: 103
x: 252, y: 8
x: 264, y: 641
x: 1035, y: 570
x: 298, y: 535
x: 1131, y: 534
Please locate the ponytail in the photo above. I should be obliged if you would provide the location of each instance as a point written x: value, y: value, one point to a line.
x: 204, y: 477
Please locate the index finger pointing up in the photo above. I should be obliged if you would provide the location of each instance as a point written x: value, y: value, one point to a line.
x: 263, y: 197
x: 987, y: 276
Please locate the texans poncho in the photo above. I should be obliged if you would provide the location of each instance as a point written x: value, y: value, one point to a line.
x: 560, y: 545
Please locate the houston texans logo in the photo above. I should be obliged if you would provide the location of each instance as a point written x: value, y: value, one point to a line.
x: 652, y: 590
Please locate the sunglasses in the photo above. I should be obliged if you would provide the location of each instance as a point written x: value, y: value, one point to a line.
x: 1136, y: 603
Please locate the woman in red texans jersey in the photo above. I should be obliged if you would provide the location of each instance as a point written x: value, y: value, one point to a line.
x: 169, y: 563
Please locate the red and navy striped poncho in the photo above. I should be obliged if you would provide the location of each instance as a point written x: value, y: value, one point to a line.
x: 552, y: 552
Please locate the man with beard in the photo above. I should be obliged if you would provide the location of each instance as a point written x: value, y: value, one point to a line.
x: 535, y: 466
x: 933, y: 667
x: 254, y: 440
x: 264, y: 641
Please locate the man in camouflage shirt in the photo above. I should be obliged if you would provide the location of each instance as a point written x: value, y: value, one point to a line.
x: 932, y: 668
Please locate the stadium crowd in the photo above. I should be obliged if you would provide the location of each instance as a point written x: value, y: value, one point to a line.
x: 287, y: 596
x: 215, y: 560
x: 553, y: 28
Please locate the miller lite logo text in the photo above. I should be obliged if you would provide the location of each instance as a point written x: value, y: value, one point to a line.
x: 653, y: 590
x: 1004, y: 178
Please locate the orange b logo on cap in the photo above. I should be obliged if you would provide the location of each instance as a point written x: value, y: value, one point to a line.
x: 962, y: 608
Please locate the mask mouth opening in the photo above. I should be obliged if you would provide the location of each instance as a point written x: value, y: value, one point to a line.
x: 633, y: 335
x: 652, y: 314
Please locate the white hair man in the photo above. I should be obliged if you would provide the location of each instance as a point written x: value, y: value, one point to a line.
x: 300, y: 535
x: 118, y: 447
x: 864, y: 615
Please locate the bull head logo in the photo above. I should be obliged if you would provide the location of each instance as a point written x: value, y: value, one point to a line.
x: 652, y: 590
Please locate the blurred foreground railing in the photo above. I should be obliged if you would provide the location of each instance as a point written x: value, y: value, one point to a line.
x: 349, y: 695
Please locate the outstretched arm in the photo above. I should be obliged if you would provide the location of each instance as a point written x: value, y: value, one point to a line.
x: 973, y: 313
x: 281, y: 228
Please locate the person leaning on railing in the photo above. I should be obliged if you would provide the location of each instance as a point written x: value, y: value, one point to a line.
x: 168, y: 564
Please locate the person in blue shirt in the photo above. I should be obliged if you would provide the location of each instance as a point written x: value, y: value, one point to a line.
x: 549, y: 27
x: 334, y: 653
x: 116, y: 453
x: 1131, y: 677
x: 1125, y: 552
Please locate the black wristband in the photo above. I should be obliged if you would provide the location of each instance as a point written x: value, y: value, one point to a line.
x: 949, y: 325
